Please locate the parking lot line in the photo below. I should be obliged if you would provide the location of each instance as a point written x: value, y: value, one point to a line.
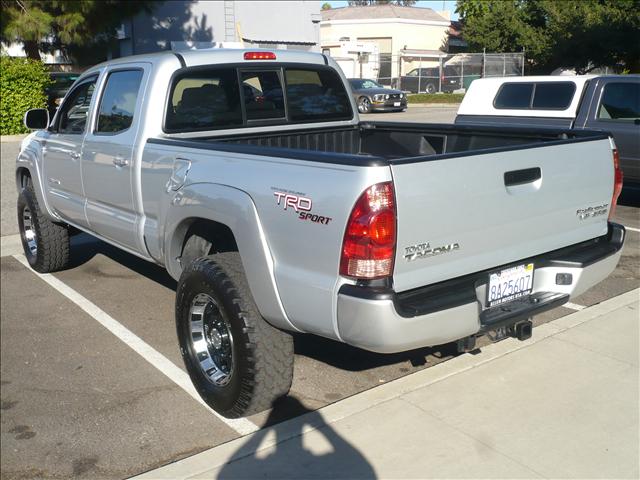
x: 574, y: 306
x: 241, y: 425
x: 632, y: 229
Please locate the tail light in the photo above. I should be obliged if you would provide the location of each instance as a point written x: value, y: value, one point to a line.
x: 259, y: 56
x: 617, y: 182
x: 369, y: 242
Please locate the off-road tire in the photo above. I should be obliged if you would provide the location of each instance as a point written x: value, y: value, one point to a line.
x: 52, y: 238
x: 262, y: 354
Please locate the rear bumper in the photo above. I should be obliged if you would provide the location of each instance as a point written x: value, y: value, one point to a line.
x: 384, y: 321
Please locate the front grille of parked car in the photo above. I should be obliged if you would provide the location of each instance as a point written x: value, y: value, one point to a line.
x: 394, y: 95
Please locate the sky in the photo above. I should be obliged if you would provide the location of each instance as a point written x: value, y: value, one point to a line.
x: 433, y: 4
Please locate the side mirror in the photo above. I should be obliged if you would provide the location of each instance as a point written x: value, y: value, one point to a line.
x: 36, y: 119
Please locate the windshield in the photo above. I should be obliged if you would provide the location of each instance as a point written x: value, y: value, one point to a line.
x: 361, y: 84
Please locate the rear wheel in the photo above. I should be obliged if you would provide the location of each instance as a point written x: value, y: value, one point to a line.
x: 430, y: 88
x: 364, y: 105
x: 238, y: 362
x: 45, y: 243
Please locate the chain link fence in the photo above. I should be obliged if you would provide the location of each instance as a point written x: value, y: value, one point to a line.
x: 417, y: 72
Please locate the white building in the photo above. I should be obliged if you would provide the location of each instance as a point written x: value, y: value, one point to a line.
x: 402, y: 35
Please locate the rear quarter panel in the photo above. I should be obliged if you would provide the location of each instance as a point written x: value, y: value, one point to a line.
x: 305, y: 254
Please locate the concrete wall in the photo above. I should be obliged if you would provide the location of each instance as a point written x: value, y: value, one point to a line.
x: 203, y: 23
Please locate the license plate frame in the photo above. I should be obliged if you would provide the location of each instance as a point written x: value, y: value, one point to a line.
x: 509, y: 284
x: 396, y: 104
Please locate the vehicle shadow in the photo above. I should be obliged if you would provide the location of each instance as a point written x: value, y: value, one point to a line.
x: 84, y: 248
x: 324, y: 454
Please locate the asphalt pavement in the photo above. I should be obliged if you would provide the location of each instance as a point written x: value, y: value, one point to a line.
x: 563, y: 404
x: 93, y: 385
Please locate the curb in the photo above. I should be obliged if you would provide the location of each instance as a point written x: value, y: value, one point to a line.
x: 12, y: 138
x: 440, y: 105
x: 237, y: 448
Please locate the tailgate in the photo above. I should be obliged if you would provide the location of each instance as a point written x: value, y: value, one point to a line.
x: 457, y: 215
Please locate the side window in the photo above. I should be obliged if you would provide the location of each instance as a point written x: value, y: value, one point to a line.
x: 118, y: 101
x: 73, y: 114
x: 263, y: 98
x: 546, y: 96
x: 316, y: 95
x: 620, y: 102
x: 514, y: 96
x: 553, y: 95
x: 204, y: 100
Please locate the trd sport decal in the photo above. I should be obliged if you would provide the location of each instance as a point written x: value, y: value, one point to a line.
x: 301, y: 205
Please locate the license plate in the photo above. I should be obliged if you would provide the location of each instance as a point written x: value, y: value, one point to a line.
x: 396, y: 104
x: 510, y: 284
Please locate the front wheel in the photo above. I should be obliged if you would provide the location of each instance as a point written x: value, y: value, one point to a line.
x: 238, y: 362
x: 364, y: 105
x: 45, y: 243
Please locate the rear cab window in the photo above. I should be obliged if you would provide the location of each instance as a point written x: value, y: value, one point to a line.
x: 263, y: 97
x: 314, y: 95
x: 535, y: 96
x: 219, y: 98
x: 118, y: 102
x: 204, y: 100
x: 620, y: 102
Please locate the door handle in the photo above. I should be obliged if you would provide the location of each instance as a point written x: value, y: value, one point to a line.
x: 120, y: 161
x: 74, y: 155
x: 521, y: 177
x: 181, y: 167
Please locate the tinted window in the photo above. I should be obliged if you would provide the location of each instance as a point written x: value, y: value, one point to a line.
x: 118, y: 101
x: 204, y: 100
x: 263, y: 97
x: 73, y: 114
x: 316, y: 95
x: 620, y: 101
x: 553, y: 96
x: 514, y: 96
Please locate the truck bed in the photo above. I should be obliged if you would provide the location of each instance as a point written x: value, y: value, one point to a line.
x: 376, y: 143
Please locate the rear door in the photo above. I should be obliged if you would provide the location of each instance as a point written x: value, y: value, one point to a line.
x: 477, y: 211
x: 108, y: 158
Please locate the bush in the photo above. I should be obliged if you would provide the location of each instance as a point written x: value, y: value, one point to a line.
x: 435, y: 98
x: 22, y: 84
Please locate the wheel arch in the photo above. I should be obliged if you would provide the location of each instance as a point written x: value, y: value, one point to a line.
x: 228, y: 218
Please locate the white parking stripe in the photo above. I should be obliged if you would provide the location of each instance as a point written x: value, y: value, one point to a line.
x: 574, y: 306
x: 241, y: 425
x: 632, y: 229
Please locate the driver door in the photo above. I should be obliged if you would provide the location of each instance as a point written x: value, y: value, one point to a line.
x: 63, y: 152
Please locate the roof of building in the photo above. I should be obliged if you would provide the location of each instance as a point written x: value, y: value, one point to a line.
x: 382, y: 11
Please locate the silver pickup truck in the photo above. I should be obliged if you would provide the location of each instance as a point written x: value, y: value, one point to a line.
x: 249, y: 176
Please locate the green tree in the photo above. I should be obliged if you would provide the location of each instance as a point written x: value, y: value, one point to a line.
x: 69, y: 25
x: 580, y: 34
x: 326, y: 6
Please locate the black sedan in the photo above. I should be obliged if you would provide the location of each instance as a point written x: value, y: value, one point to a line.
x: 373, y: 97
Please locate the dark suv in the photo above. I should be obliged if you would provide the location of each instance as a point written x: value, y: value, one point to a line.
x: 427, y: 80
